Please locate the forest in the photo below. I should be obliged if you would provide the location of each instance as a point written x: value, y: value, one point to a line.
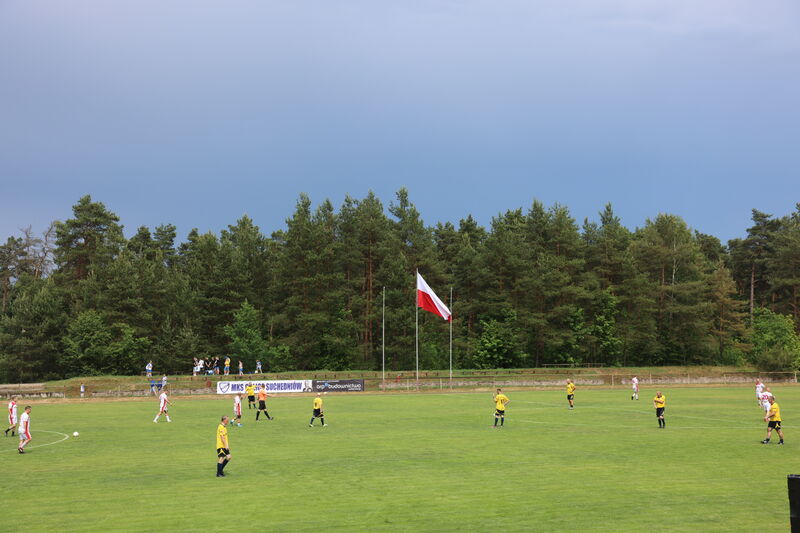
x: 535, y: 287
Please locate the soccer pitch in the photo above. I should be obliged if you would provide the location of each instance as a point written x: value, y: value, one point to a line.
x: 429, y: 462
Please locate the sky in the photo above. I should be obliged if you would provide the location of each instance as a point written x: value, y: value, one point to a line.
x: 196, y: 112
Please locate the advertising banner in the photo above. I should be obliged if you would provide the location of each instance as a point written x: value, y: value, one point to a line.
x: 339, y: 385
x: 273, y: 387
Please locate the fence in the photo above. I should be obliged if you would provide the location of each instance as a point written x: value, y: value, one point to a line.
x: 406, y: 381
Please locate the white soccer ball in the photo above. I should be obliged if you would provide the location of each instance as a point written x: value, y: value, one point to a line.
x: 326, y: 392
x: 75, y: 434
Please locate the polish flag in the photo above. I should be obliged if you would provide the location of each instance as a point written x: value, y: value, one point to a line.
x: 428, y: 300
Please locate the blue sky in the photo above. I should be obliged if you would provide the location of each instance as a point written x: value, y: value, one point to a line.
x: 196, y: 112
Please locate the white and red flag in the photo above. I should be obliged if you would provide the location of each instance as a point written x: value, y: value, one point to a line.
x: 428, y: 300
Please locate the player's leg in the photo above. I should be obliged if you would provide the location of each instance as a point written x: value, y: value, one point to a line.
x: 496, y: 416
x: 769, y: 434
x: 220, y: 459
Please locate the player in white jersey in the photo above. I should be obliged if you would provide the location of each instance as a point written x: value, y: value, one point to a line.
x: 635, y: 388
x: 163, y: 402
x: 24, y: 429
x: 237, y: 410
x: 12, y: 416
x: 759, y: 390
x: 766, y: 394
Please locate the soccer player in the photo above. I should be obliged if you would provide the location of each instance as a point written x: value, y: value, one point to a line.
x: 258, y: 366
x: 149, y: 369
x: 500, y: 402
x: 164, y: 382
x: 241, y: 369
x: 659, y: 402
x: 227, y: 369
x: 12, y: 416
x: 163, y: 402
x: 766, y: 394
x: 250, y: 390
x: 262, y: 402
x: 24, y: 429
x: 571, y: 393
x: 223, y: 446
x: 774, y: 418
x: 318, y: 412
x: 759, y: 390
x: 237, y: 410
x: 635, y: 388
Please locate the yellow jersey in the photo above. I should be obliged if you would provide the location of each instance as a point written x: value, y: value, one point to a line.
x: 222, y: 436
x: 775, y: 412
x: 250, y: 391
x: 660, y: 401
x: 500, y: 401
x: 227, y: 361
x: 570, y: 388
x: 317, y: 403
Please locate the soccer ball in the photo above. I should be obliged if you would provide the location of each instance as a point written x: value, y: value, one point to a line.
x: 75, y: 434
x: 326, y: 392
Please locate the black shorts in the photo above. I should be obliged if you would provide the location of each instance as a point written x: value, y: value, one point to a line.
x: 251, y: 399
x: 223, y: 452
x: 499, y: 412
x: 659, y: 411
x: 262, y: 404
x: 570, y: 396
x: 317, y: 413
x: 774, y: 424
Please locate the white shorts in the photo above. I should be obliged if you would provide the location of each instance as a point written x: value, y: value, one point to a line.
x: 12, y: 421
x: 765, y: 406
x: 24, y: 436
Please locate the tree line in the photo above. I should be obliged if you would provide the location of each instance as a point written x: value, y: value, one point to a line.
x: 533, y: 288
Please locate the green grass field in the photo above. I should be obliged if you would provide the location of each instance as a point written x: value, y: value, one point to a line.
x: 427, y: 462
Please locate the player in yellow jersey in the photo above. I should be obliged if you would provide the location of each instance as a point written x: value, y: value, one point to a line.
x: 223, y: 446
x: 774, y: 418
x: 250, y: 391
x: 660, y: 402
x: 500, y: 402
x: 571, y: 393
x: 318, y: 412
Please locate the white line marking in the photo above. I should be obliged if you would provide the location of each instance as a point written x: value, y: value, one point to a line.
x: 649, y: 413
x: 46, y: 444
x: 628, y: 427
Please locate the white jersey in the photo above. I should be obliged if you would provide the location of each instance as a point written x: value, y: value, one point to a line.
x: 149, y: 367
x: 162, y: 402
x: 24, y: 426
x: 759, y: 389
x: 764, y: 398
x: 237, y: 406
x: 12, y: 412
x: 635, y: 383
x: 164, y: 381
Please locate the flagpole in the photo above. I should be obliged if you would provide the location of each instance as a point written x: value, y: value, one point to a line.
x: 383, y: 341
x: 451, y: 337
x: 416, y: 328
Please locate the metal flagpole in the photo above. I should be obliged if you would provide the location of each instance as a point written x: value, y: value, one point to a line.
x: 383, y: 341
x: 451, y: 337
x: 416, y: 328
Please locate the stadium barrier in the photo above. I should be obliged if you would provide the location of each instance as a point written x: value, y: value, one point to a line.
x: 404, y: 381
